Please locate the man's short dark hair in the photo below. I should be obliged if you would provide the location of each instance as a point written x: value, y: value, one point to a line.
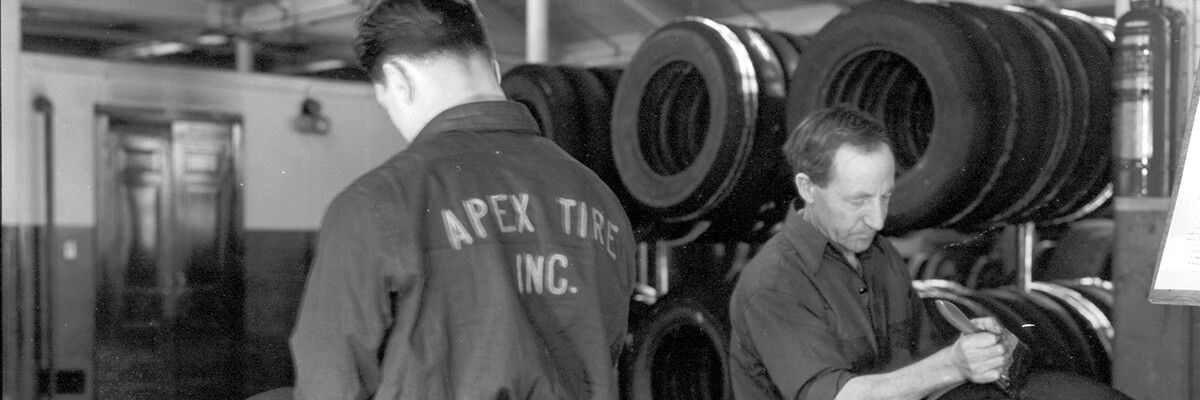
x: 418, y: 28
x: 810, y: 147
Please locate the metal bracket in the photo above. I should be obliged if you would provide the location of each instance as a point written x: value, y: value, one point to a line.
x: 647, y: 293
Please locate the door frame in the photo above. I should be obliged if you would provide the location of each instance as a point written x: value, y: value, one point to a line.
x: 102, y: 115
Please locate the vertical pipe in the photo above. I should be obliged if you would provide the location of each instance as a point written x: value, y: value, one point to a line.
x: 243, y: 54
x: 1120, y: 7
x: 43, y: 351
x: 643, y: 262
x: 537, y: 31
x: 1188, y: 12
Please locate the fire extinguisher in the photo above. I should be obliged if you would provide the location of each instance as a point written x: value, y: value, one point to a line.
x: 1151, y: 99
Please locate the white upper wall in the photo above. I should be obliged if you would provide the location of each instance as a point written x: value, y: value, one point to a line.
x: 14, y: 187
x: 290, y: 177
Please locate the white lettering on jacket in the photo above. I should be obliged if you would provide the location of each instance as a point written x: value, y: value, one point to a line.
x: 536, y: 274
x: 500, y: 206
x: 587, y: 220
x: 510, y: 214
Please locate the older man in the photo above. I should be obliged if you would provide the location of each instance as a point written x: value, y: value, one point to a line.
x: 825, y: 310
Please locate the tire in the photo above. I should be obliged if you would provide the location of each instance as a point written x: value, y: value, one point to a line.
x: 799, y: 42
x: 945, y: 103
x: 935, y: 332
x: 762, y: 194
x: 551, y: 99
x: 1098, y: 291
x: 1083, y: 357
x: 1071, y: 172
x: 1049, y: 347
x: 609, y: 77
x: 1096, y: 53
x: 594, y: 105
x: 789, y: 56
x: 1084, y: 251
x: 685, y: 121
x: 989, y: 272
x: 1097, y: 329
x: 593, y: 109
x: 1007, y: 317
x: 680, y: 353
x: 1034, y: 76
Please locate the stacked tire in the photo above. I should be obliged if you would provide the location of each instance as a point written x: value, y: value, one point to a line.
x: 698, y: 122
x: 1066, y: 324
x: 1077, y: 250
x: 679, y: 346
x: 573, y: 108
x: 996, y: 115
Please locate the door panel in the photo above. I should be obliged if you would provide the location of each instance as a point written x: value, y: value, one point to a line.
x: 169, y: 313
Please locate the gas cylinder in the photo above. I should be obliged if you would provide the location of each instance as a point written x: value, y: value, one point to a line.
x: 1151, y: 99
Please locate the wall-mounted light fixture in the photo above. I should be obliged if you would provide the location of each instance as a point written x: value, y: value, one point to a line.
x: 311, y: 119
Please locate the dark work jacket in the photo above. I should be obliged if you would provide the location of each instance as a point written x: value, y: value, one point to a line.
x: 483, y: 262
x: 804, y: 321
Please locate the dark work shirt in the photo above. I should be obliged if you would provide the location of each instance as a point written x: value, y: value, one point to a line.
x: 804, y: 321
x: 482, y: 262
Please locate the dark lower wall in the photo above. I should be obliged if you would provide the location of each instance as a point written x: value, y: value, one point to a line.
x: 1156, y: 351
x: 15, y: 254
x: 59, y: 271
x: 276, y: 265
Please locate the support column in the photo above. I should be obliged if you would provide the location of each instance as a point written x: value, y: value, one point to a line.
x: 243, y: 54
x: 1156, y: 351
x: 537, y: 31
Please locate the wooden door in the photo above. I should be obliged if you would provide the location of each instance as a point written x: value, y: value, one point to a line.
x: 169, y: 303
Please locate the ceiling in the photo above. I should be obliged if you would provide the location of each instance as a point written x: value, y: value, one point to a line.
x: 314, y: 37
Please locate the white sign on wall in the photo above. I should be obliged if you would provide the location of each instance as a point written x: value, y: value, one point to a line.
x: 1177, y: 276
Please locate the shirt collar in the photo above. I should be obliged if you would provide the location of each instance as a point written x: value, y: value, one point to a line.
x: 498, y: 115
x: 805, y: 239
x: 811, y: 244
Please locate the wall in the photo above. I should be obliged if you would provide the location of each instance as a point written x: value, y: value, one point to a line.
x: 288, y: 179
x: 14, y: 385
x: 281, y: 166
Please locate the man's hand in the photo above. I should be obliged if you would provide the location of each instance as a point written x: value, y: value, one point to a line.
x: 984, y: 356
x: 980, y: 357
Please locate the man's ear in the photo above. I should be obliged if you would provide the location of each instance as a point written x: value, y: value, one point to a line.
x: 397, y: 75
x: 805, y: 186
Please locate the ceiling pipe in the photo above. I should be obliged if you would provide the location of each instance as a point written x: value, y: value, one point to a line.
x: 148, y: 49
x: 646, y: 13
x: 537, y: 31
x: 276, y: 16
x: 591, y: 29
x: 762, y: 23
x: 175, y: 13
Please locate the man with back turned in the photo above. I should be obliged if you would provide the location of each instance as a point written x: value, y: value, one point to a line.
x: 826, y: 310
x: 482, y: 262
